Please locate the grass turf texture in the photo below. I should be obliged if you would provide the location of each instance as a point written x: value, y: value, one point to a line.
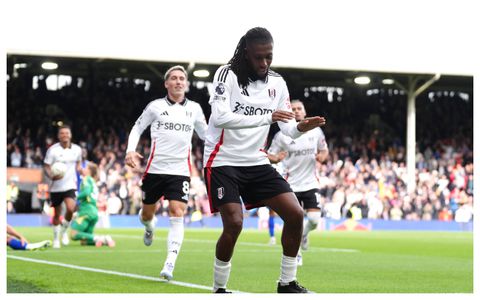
x: 336, y: 262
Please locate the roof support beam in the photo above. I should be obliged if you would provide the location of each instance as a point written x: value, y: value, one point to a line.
x: 412, y: 93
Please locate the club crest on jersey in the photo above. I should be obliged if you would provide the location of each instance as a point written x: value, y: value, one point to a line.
x: 220, y: 192
x: 220, y: 89
x: 272, y: 93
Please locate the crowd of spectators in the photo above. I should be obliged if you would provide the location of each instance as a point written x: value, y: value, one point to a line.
x: 365, y: 173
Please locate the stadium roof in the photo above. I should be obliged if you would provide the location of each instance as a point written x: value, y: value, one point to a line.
x: 381, y: 36
x: 297, y: 78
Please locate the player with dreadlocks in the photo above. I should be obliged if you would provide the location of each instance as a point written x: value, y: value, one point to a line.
x: 248, y: 97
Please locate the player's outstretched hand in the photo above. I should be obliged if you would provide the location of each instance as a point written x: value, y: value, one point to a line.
x: 282, y: 115
x: 131, y: 158
x: 310, y: 123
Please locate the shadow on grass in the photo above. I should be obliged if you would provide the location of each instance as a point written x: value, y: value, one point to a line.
x: 18, y: 286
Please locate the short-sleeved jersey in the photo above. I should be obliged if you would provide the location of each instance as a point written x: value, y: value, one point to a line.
x: 300, y: 163
x: 171, y: 129
x: 238, y: 126
x: 69, y: 156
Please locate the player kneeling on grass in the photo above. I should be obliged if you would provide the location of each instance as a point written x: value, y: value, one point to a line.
x: 17, y: 241
x: 87, y: 215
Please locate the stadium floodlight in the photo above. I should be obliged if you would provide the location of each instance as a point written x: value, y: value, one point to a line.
x: 362, y: 80
x: 201, y: 73
x: 20, y: 66
x: 388, y: 81
x: 48, y: 65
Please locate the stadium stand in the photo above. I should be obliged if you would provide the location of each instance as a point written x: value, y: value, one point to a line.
x: 365, y: 132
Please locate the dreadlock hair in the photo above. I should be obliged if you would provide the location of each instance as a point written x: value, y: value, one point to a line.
x: 238, y: 63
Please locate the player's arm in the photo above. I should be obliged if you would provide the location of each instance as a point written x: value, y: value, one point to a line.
x: 11, y: 231
x: 78, y: 166
x: 145, y: 119
x: 47, y: 162
x: 322, y: 147
x: 276, y: 152
x: 276, y: 158
x: 322, y: 155
x: 200, y: 124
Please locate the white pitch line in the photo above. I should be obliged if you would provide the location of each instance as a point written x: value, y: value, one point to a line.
x: 136, y: 276
x: 76, y: 250
x: 312, y: 249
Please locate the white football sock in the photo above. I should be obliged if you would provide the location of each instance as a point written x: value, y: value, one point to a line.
x: 65, y: 224
x: 57, y: 229
x: 175, y: 239
x: 313, y: 217
x: 221, y: 272
x: 288, y: 270
x: 149, y: 225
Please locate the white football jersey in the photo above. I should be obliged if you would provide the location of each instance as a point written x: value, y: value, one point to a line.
x: 239, y: 123
x: 69, y: 156
x: 171, y: 130
x: 300, y: 162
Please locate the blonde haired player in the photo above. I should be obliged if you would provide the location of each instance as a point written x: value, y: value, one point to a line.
x: 172, y: 120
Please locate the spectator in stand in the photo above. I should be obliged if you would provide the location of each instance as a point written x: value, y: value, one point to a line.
x: 12, y: 194
x: 16, y: 157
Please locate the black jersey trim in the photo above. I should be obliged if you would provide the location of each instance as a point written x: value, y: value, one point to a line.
x: 171, y: 102
x: 273, y: 73
x: 222, y: 76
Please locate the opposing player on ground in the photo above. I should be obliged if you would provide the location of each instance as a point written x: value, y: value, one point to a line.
x: 172, y: 120
x: 87, y: 215
x: 300, y: 166
x: 17, y: 241
x: 247, y: 98
x: 63, y: 188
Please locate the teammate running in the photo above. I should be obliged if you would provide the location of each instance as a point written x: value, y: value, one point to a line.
x: 300, y: 166
x: 172, y: 120
x: 247, y: 98
x: 87, y: 215
x: 63, y: 188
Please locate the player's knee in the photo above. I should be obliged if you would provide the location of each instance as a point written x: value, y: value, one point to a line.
x: 313, y: 217
x: 295, y: 217
x: 234, y: 227
x: 177, y: 211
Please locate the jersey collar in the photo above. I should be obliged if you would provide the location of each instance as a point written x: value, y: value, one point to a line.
x: 69, y: 146
x: 171, y: 102
x: 253, y: 78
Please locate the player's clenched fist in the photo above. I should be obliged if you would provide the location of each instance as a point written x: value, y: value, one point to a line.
x: 282, y: 115
x: 131, y: 158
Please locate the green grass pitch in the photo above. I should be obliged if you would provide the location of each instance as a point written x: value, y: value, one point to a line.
x: 336, y: 262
